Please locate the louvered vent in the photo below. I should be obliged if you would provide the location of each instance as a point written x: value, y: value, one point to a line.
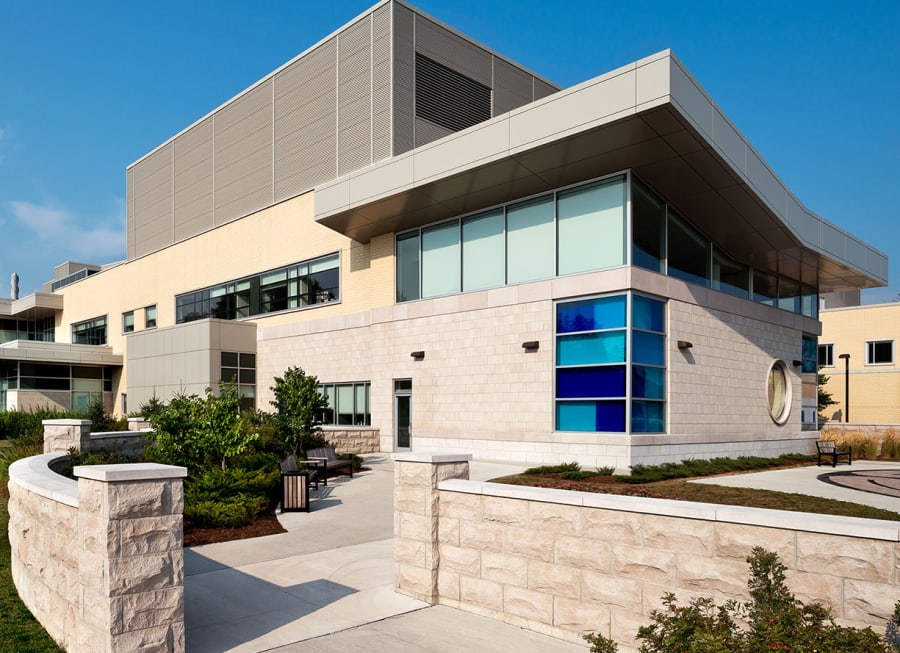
x: 448, y: 98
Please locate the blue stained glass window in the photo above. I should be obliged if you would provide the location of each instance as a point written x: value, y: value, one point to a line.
x: 648, y: 417
x: 590, y: 382
x: 648, y: 382
x: 648, y: 348
x: 648, y: 314
x: 591, y: 348
x: 591, y: 315
x: 591, y: 416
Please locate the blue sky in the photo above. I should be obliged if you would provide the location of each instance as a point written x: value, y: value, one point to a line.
x: 86, y: 88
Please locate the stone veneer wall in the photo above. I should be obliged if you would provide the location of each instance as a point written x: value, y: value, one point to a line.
x: 835, y: 429
x: 100, y: 562
x: 65, y: 434
x: 567, y: 563
x: 349, y: 439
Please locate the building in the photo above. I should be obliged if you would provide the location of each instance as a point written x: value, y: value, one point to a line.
x: 468, y: 258
x: 866, y: 334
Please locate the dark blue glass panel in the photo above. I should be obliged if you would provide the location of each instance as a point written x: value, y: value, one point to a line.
x: 591, y: 314
x: 572, y: 383
x: 648, y: 348
x: 648, y: 382
x: 591, y: 348
x: 648, y: 314
x: 648, y: 417
x: 608, y: 416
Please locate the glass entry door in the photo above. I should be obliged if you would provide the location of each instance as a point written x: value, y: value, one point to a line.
x: 402, y: 414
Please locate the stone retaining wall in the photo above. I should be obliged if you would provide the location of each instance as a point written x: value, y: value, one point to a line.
x: 350, y: 439
x: 100, y: 562
x: 65, y: 434
x: 832, y: 429
x: 567, y: 563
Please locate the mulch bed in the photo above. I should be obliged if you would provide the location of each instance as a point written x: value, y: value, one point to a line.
x: 265, y: 525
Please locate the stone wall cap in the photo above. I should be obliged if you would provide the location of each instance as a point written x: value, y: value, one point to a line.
x: 34, y: 474
x: 876, y: 529
x: 129, y: 472
x: 65, y: 422
x: 432, y: 457
x: 101, y: 435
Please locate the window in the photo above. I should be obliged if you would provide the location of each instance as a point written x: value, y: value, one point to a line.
x: 648, y: 228
x: 593, y: 373
x: 778, y: 392
x: 880, y: 352
x: 826, y: 355
x: 128, y: 322
x: 90, y: 332
x: 688, y: 252
x: 348, y: 403
x: 150, y: 317
x: 240, y: 368
x: 303, y: 284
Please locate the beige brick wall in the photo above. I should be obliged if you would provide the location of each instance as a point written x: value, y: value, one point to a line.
x: 568, y: 563
x: 477, y: 391
x: 874, y: 389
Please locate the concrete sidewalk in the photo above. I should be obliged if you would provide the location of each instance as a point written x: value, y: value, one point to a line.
x: 328, y: 584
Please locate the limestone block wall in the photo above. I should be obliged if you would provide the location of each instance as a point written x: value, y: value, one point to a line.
x: 353, y: 439
x: 567, y: 563
x: 60, y: 435
x: 99, y: 562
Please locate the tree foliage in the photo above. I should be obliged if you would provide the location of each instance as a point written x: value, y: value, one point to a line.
x: 299, y: 406
x: 192, y: 430
x: 825, y: 398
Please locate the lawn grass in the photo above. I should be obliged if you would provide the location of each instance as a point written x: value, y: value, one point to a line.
x: 20, y: 632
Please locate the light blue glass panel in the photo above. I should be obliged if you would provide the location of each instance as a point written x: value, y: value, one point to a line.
x: 484, y: 251
x: 576, y: 416
x: 648, y: 382
x: 648, y: 417
x: 591, y: 348
x: 648, y: 314
x: 591, y: 314
x: 648, y: 348
x: 531, y: 241
x: 440, y: 260
x: 592, y: 227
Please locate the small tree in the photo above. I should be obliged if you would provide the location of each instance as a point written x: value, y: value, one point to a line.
x: 825, y: 398
x: 299, y: 405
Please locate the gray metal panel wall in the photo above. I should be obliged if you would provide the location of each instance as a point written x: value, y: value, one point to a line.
x: 355, y: 96
x: 305, y: 119
x: 427, y: 131
x: 153, y: 202
x: 194, y: 210
x: 129, y: 213
x: 513, y: 87
x: 455, y: 52
x: 542, y: 89
x: 404, y: 79
x: 381, y: 83
x: 243, y: 154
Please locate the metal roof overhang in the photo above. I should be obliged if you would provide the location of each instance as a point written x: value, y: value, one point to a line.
x: 651, y: 117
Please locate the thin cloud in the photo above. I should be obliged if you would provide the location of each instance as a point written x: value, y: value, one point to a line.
x: 59, y: 229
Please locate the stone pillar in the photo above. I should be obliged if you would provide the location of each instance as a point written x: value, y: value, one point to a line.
x: 64, y: 434
x: 138, y: 424
x: 416, y: 554
x: 131, y: 563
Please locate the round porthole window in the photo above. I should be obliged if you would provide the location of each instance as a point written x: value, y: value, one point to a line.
x: 778, y: 391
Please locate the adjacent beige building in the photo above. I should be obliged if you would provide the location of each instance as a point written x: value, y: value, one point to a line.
x: 467, y: 257
x: 868, y: 335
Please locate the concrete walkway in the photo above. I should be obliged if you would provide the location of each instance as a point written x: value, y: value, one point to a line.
x: 327, y: 584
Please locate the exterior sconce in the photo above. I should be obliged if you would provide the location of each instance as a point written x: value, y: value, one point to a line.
x: 684, y: 344
x: 531, y: 345
x: 797, y: 363
x: 418, y: 355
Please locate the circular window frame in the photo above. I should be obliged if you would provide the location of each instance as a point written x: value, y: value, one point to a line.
x: 782, y: 417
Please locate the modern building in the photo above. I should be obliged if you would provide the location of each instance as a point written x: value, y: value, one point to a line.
x: 468, y: 258
x: 857, y: 352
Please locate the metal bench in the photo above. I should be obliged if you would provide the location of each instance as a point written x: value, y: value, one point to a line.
x: 828, y: 449
x: 325, y: 460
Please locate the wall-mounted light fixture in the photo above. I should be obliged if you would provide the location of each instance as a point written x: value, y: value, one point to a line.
x: 684, y: 344
x: 418, y: 355
x: 531, y: 345
x: 798, y: 363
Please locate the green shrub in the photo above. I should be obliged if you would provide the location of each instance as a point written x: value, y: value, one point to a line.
x: 21, y: 448
x: 688, y: 468
x: 773, y: 620
x: 229, y: 512
x: 554, y: 469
